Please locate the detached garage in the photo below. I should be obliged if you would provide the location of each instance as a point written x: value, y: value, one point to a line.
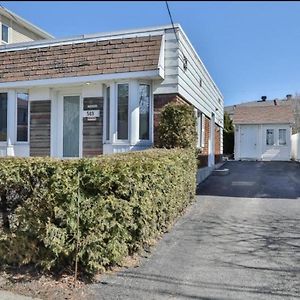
x: 263, y: 132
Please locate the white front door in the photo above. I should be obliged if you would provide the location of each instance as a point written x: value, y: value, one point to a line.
x: 71, y: 126
x: 249, y: 141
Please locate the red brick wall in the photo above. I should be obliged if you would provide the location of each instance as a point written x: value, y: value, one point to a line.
x: 218, y: 155
x: 203, y: 156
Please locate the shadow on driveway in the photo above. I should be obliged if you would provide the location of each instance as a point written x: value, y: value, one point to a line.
x: 255, y: 180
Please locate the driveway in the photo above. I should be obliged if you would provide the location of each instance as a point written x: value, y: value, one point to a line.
x: 239, y: 240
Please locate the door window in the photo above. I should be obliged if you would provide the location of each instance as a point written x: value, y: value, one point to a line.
x: 71, y: 126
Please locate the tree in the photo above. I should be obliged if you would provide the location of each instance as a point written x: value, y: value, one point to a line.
x: 228, y: 135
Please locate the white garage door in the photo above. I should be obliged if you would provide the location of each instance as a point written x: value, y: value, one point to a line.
x: 249, y: 142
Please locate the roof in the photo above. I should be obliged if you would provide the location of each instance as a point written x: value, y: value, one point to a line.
x: 276, y: 114
x: 81, y: 59
x: 9, y: 14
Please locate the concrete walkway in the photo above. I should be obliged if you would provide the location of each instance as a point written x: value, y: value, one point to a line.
x: 240, y: 240
x: 5, y: 295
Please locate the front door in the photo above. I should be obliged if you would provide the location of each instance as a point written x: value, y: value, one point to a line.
x: 249, y: 141
x: 71, y: 126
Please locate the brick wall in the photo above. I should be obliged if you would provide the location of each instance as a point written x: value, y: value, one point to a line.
x: 203, y: 156
x: 218, y: 155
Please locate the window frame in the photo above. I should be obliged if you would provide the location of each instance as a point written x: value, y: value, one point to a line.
x: 122, y: 141
x: 8, y: 33
x: 16, y: 118
x: 107, y: 107
x: 270, y: 145
x: 142, y: 141
x: 4, y: 143
x: 279, y: 144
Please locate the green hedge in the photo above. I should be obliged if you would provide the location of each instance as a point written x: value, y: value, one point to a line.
x: 120, y: 202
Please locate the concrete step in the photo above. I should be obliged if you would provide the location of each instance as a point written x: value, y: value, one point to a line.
x: 220, y: 172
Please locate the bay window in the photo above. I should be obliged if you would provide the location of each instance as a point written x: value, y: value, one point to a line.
x: 3, y: 117
x: 144, y: 112
x: 123, y: 97
x: 22, y: 117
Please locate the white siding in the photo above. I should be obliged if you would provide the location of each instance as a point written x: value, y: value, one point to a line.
x: 207, y: 98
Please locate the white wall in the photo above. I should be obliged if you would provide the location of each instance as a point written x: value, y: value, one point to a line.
x: 296, y: 146
x: 263, y: 151
x: 207, y: 98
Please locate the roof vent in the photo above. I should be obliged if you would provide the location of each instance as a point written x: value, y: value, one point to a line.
x: 289, y: 96
x: 263, y: 98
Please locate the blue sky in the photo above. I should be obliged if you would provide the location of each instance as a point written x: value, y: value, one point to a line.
x: 250, y: 48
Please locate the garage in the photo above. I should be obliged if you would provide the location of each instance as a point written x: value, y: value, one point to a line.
x: 263, y: 133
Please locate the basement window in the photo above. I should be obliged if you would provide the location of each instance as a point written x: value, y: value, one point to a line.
x: 4, y: 32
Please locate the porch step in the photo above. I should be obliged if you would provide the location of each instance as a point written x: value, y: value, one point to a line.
x: 220, y: 172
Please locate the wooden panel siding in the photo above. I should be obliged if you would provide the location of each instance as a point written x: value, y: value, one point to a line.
x: 81, y: 59
x: 40, y: 115
x: 93, y: 130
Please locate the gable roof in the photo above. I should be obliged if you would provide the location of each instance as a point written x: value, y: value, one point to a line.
x: 9, y: 14
x: 84, y: 58
x: 276, y: 114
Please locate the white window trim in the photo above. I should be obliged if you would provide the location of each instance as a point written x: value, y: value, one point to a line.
x: 282, y: 145
x: 16, y: 119
x: 4, y: 143
x: 122, y: 141
x: 151, y: 115
x: 63, y: 94
x: 105, y: 139
x: 202, y: 130
x: 8, y: 32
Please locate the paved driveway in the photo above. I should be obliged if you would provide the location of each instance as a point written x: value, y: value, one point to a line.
x: 240, y: 240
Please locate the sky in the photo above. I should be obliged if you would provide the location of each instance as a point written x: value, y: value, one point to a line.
x: 250, y: 49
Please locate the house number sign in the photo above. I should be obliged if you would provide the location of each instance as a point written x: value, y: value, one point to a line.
x: 91, y: 115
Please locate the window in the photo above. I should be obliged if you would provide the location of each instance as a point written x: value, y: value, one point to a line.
x: 107, y: 113
x: 282, y: 137
x: 22, y: 117
x: 4, y: 33
x: 3, y: 117
x: 199, y: 128
x: 123, y: 111
x: 144, y: 103
x: 270, y: 137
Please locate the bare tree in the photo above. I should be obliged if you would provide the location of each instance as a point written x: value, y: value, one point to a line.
x: 296, y: 109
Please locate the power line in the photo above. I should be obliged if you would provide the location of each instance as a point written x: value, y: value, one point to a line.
x: 170, y: 15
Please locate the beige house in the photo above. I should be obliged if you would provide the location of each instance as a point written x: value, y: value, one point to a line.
x: 15, y: 29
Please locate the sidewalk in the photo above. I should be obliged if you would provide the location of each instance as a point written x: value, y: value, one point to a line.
x: 5, y: 295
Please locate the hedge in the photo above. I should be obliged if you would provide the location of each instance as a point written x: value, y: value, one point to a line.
x: 96, y: 210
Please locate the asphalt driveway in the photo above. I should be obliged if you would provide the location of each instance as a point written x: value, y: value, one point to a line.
x: 239, y: 240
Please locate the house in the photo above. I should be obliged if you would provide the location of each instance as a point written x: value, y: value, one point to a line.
x: 15, y: 29
x: 263, y: 132
x: 103, y: 93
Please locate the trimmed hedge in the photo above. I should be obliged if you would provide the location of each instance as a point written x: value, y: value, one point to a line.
x: 99, y: 209
x: 177, y: 126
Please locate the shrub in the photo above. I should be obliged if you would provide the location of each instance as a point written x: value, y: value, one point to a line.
x: 177, y: 127
x: 98, y: 210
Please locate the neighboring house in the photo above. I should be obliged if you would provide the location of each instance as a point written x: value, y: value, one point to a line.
x: 15, y: 29
x: 103, y: 93
x: 263, y: 132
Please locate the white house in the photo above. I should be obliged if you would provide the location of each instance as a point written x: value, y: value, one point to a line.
x: 102, y: 93
x: 15, y: 29
x: 263, y: 132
